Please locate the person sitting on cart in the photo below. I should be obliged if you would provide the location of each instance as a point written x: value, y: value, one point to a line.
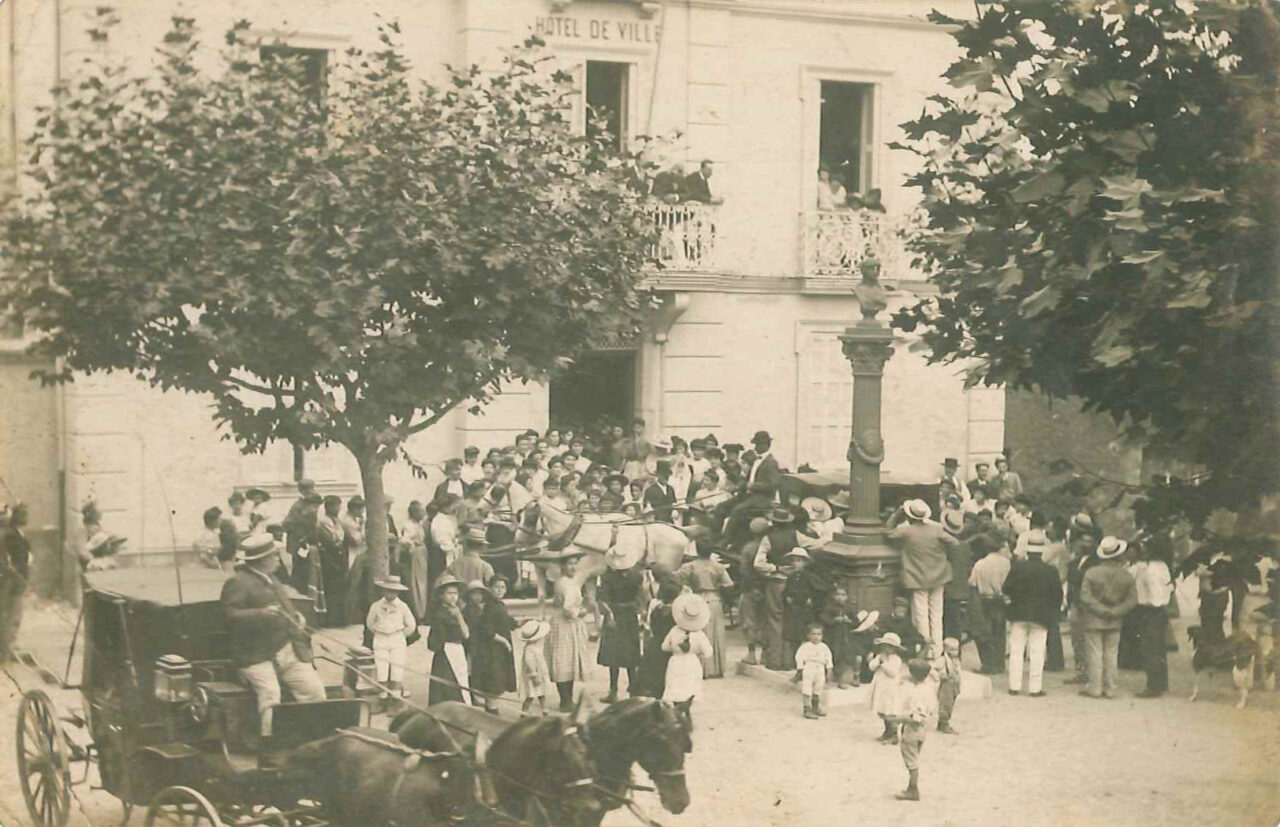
x: 269, y: 643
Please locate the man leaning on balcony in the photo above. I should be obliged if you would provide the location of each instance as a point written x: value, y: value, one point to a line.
x: 698, y: 185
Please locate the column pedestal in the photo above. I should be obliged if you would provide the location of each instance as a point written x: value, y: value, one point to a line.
x: 860, y: 555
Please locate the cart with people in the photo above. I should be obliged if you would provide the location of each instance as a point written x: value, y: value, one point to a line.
x: 166, y: 719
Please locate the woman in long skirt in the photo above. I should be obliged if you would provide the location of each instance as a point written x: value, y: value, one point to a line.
x: 449, y: 633
x: 705, y: 577
x: 493, y: 666
x: 567, y: 643
x: 621, y: 598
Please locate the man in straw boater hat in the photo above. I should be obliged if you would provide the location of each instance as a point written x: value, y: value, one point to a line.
x: 1035, y: 596
x: 269, y: 642
x: 926, y: 565
x: 688, y: 645
x: 391, y: 622
x: 1107, y: 593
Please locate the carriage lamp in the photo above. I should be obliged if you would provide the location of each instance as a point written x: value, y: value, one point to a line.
x: 173, y: 679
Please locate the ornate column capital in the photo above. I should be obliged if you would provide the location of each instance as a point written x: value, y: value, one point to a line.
x: 867, y: 349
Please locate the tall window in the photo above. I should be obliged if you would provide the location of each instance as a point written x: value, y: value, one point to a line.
x: 313, y: 64
x: 845, y: 140
x: 606, y: 88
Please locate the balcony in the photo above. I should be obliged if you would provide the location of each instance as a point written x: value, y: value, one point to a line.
x: 836, y: 242
x: 687, y: 236
x: 707, y: 243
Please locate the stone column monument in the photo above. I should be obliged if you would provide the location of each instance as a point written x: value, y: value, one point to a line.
x: 859, y: 554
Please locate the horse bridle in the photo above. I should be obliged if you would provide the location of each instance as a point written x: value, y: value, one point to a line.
x: 573, y: 732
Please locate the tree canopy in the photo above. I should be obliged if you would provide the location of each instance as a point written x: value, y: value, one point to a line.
x: 1102, y: 190
x: 329, y: 248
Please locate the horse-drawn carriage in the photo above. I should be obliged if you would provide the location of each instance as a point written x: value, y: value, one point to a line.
x: 166, y: 718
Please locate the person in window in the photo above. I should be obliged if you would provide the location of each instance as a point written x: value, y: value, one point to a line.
x: 831, y: 193
x: 698, y: 185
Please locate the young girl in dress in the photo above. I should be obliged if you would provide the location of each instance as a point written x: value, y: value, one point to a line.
x: 688, y: 645
x: 534, y: 676
x: 886, y: 686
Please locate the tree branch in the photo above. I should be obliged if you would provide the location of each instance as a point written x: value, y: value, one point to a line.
x: 276, y: 392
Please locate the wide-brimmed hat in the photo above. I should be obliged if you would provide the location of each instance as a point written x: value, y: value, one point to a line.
x: 867, y: 619
x: 103, y: 543
x: 1036, y: 541
x: 781, y: 515
x: 761, y: 436
x: 1081, y: 521
x: 475, y: 585
x: 796, y: 552
x: 391, y: 582
x: 917, y: 510
x: 691, y: 612
x: 1111, y: 547
x: 255, y: 547
x: 890, y: 639
x: 257, y: 494
x: 817, y: 508
x: 476, y: 535
x: 840, y: 500
x: 532, y: 631
x: 953, y: 521
x: 758, y: 525
x: 621, y: 559
x: 446, y: 580
x: 619, y: 477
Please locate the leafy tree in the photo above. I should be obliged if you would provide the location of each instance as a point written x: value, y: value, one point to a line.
x: 1102, y: 193
x: 345, y: 267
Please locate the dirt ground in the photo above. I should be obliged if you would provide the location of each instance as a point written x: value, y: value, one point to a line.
x: 1059, y: 761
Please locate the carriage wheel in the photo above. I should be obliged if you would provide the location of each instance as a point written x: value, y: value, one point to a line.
x: 42, y: 761
x: 181, y: 806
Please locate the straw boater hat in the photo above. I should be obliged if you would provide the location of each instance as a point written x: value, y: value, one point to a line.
x: 953, y: 521
x: 818, y: 509
x: 104, y: 543
x: 622, y: 559
x: 446, y: 580
x: 691, y: 612
x: 255, y: 547
x: 1111, y: 547
x: 390, y: 582
x: 1036, y: 541
x: 918, y: 510
x: 1082, y: 522
x: 840, y: 501
x: 532, y: 631
x: 890, y: 639
x: 781, y: 515
x: 796, y: 552
x: 867, y: 619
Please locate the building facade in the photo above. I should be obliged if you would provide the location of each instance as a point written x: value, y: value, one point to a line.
x: 754, y: 289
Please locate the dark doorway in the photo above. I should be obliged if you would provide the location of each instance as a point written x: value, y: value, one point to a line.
x: 607, y: 101
x: 598, y: 389
x: 845, y: 140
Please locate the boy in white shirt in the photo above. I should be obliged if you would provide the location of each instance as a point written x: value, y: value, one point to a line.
x: 814, y: 667
x: 391, y: 622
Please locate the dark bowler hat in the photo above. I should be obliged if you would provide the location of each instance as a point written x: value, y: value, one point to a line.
x: 761, y: 436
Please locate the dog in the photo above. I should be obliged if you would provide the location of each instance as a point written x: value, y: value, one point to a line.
x: 1239, y: 653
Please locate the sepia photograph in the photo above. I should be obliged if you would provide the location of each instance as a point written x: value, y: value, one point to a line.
x: 671, y: 413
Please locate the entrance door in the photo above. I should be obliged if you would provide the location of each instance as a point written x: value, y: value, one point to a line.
x: 598, y: 389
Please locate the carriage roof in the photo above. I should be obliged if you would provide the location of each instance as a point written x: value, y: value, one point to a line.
x: 159, y: 585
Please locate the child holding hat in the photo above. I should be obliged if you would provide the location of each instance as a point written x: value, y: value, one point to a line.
x: 391, y: 622
x: 688, y: 645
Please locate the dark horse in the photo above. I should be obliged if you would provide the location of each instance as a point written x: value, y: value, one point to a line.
x: 367, y: 778
x: 540, y: 768
x: 647, y: 731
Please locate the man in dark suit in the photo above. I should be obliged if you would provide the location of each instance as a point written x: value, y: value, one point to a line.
x: 660, y: 497
x: 764, y: 468
x: 452, y: 482
x: 300, y: 528
x: 669, y: 185
x: 697, y: 186
x: 268, y: 643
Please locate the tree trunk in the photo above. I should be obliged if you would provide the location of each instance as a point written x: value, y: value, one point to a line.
x: 375, y: 505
